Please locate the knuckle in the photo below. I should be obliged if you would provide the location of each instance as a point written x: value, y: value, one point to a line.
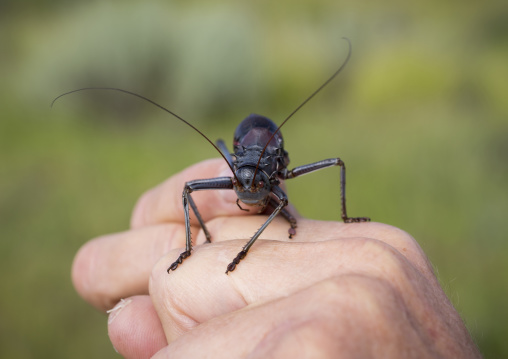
x: 396, y: 234
x: 407, y: 246
x: 383, y: 259
x: 284, y: 339
x: 319, y: 338
x: 365, y: 298
x: 364, y: 291
x: 373, y: 257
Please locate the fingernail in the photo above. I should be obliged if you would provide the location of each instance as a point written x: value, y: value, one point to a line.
x: 113, y: 313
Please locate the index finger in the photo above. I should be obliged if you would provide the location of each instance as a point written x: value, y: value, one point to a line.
x: 164, y: 202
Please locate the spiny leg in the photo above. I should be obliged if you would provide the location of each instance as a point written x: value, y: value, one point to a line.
x: 200, y: 220
x: 344, y: 216
x: 188, y: 243
x: 197, y: 185
x: 301, y: 170
x: 281, y: 196
x: 287, y: 216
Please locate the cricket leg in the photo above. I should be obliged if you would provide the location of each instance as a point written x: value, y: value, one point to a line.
x: 283, y: 202
x: 287, y: 216
x: 191, y: 186
x: 301, y: 170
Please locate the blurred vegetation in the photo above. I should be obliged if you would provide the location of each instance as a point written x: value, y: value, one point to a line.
x: 420, y: 116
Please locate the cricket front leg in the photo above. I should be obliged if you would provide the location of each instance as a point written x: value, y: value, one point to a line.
x: 287, y: 216
x: 301, y: 170
x: 283, y: 202
x: 191, y: 186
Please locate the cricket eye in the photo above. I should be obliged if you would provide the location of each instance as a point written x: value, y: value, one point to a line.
x: 261, y: 184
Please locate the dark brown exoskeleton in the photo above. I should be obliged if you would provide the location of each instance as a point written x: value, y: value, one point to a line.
x: 259, y: 163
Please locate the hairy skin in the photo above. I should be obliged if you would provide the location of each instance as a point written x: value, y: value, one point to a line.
x: 336, y: 290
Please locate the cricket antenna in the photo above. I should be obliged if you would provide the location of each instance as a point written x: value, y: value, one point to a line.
x: 153, y: 103
x: 304, y: 102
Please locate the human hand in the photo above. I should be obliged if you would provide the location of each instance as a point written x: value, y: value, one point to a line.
x: 334, y: 290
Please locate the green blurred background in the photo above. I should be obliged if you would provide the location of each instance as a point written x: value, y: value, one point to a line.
x: 420, y: 116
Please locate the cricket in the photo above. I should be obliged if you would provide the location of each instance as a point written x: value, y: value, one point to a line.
x: 258, y: 163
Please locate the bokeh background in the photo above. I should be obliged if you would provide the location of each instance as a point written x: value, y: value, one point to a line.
x: 420, y: 116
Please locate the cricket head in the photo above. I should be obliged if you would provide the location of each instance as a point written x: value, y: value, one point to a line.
x: 251, y: 188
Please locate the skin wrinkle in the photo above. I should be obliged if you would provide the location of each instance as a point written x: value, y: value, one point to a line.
x: 411, y: 262
x: 224, y: 280
x: 243, y: 289
x: 271, y: 340
x: 185, y: 321
x: 206, y: 330
x: 234, y: 282
x: 399, y: 239
x: 391, y: 262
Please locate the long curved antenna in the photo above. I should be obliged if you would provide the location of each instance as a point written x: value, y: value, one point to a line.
x: 153, y: 103
x: 303, y: 103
